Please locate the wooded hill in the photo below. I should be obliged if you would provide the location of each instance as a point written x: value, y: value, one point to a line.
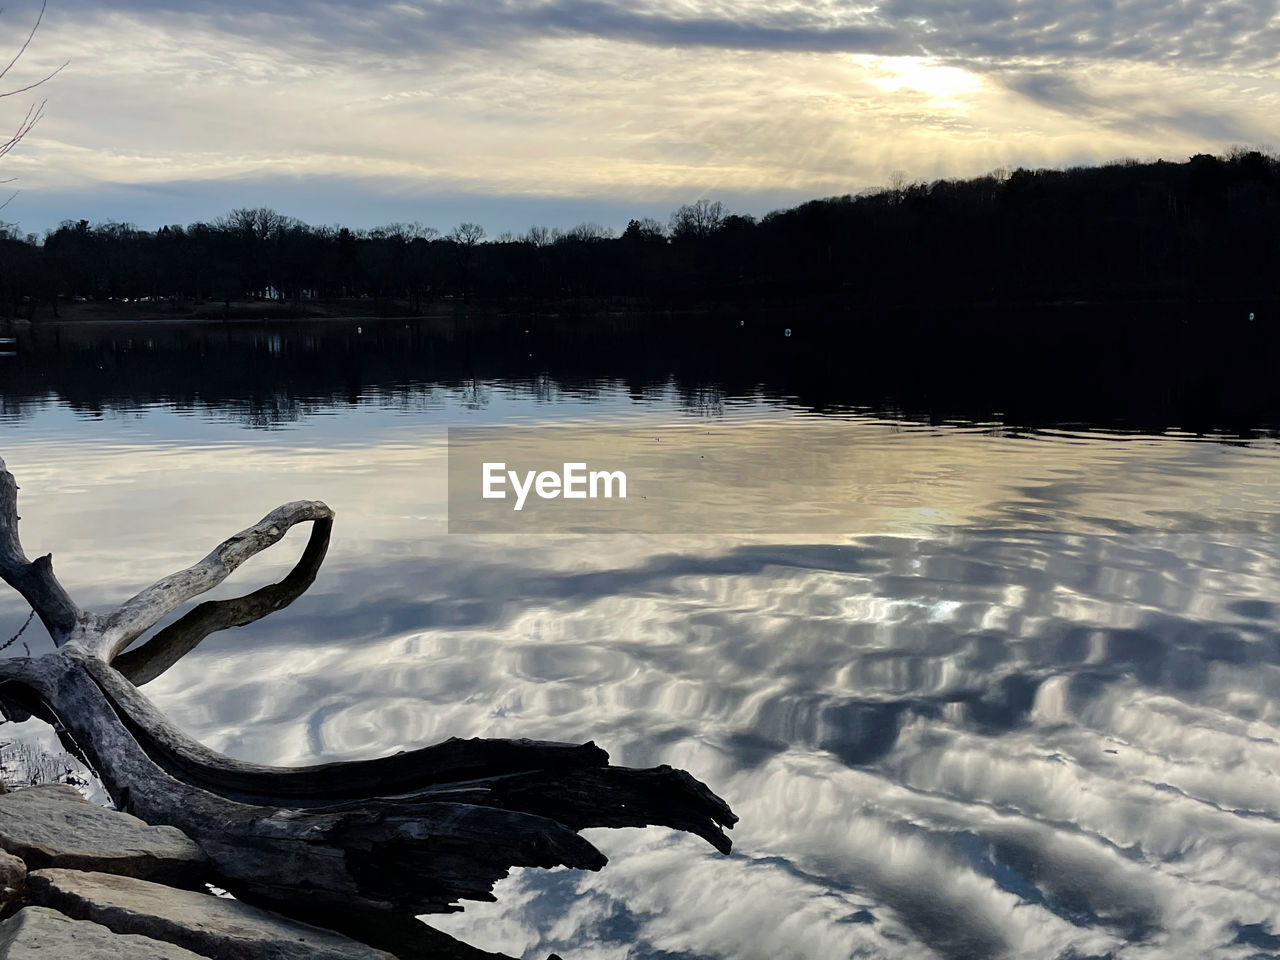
x: 1207, y: 228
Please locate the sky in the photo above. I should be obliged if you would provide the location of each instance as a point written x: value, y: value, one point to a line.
x: 558, y: 112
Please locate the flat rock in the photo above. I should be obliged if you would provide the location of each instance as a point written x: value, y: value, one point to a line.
x: 213, y: 926
x: 37, y: 933
x: 53, y: 826
x: 13, y: 877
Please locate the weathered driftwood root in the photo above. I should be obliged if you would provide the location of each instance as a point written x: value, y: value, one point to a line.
x: 346, y: 842
x: 168, y: 646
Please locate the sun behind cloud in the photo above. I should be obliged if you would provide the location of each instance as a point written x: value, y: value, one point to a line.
x: 941, y: 82
x: 401, y: 107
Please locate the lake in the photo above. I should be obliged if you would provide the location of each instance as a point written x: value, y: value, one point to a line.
x: 986, y: 660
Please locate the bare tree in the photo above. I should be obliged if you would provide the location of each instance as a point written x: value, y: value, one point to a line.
x: 697, y: 220
x: 467, y: 234
x: 646, y: 228
x: 589, y: 232
x: 898, y: 184
x: 362, y: 846
x: 34, y: 112
x: 259, y: 223
x: 404, y: 232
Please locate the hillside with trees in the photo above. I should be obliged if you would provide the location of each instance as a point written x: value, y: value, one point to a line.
x: 1205, y: 229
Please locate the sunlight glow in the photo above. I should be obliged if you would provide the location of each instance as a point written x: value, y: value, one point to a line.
x: 926, y: 75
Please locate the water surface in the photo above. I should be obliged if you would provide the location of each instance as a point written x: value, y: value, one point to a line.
x: 1015, y: 695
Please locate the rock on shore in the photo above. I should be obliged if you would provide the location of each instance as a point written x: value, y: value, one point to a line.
x: 108, y: 886
x: 51, y: 825
x: 96, y: 884
x: 214, y: 926
x: 36, y: 933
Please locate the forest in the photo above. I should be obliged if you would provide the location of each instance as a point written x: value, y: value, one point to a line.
x: 1206, y: 229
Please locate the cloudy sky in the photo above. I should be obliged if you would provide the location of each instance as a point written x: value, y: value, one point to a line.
x: 558, y: 111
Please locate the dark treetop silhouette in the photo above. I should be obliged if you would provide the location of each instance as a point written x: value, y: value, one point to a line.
x: 1207, y: 228
x: 360, y: 846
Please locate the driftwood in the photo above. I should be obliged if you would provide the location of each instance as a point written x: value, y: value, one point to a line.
x: 362, y: 846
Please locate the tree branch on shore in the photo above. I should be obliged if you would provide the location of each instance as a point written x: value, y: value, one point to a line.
x: 340, y: 844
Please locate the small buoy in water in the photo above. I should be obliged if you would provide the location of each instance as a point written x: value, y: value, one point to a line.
x: 359, y: 329
x: 788, y: 332
x: 1251, y: 315
x: 742, y: 323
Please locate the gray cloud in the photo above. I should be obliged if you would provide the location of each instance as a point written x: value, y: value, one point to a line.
x: 1241, y: 34
x: 1124, y: 111
x: 1050, y: 89
x: 792, y: 30
x: 1222, y: 127
x: 1234, y: 32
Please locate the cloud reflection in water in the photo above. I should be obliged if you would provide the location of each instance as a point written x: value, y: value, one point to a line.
x: 979, y: 740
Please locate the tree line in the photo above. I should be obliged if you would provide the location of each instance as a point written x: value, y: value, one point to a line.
x: 1208, y: 227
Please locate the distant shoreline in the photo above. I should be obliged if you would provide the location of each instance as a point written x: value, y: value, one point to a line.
x: 828, y: 309
x: 1199, y: 232
x: 1202, y: 368
x: 238, y: 311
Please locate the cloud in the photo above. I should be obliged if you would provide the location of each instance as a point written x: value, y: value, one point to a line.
x: 1241, y: 34
x: 761, y: 28
x: 432, y: 25
x: 1050, y: 89
x: 1122, y: 105
x: 651, y: 104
